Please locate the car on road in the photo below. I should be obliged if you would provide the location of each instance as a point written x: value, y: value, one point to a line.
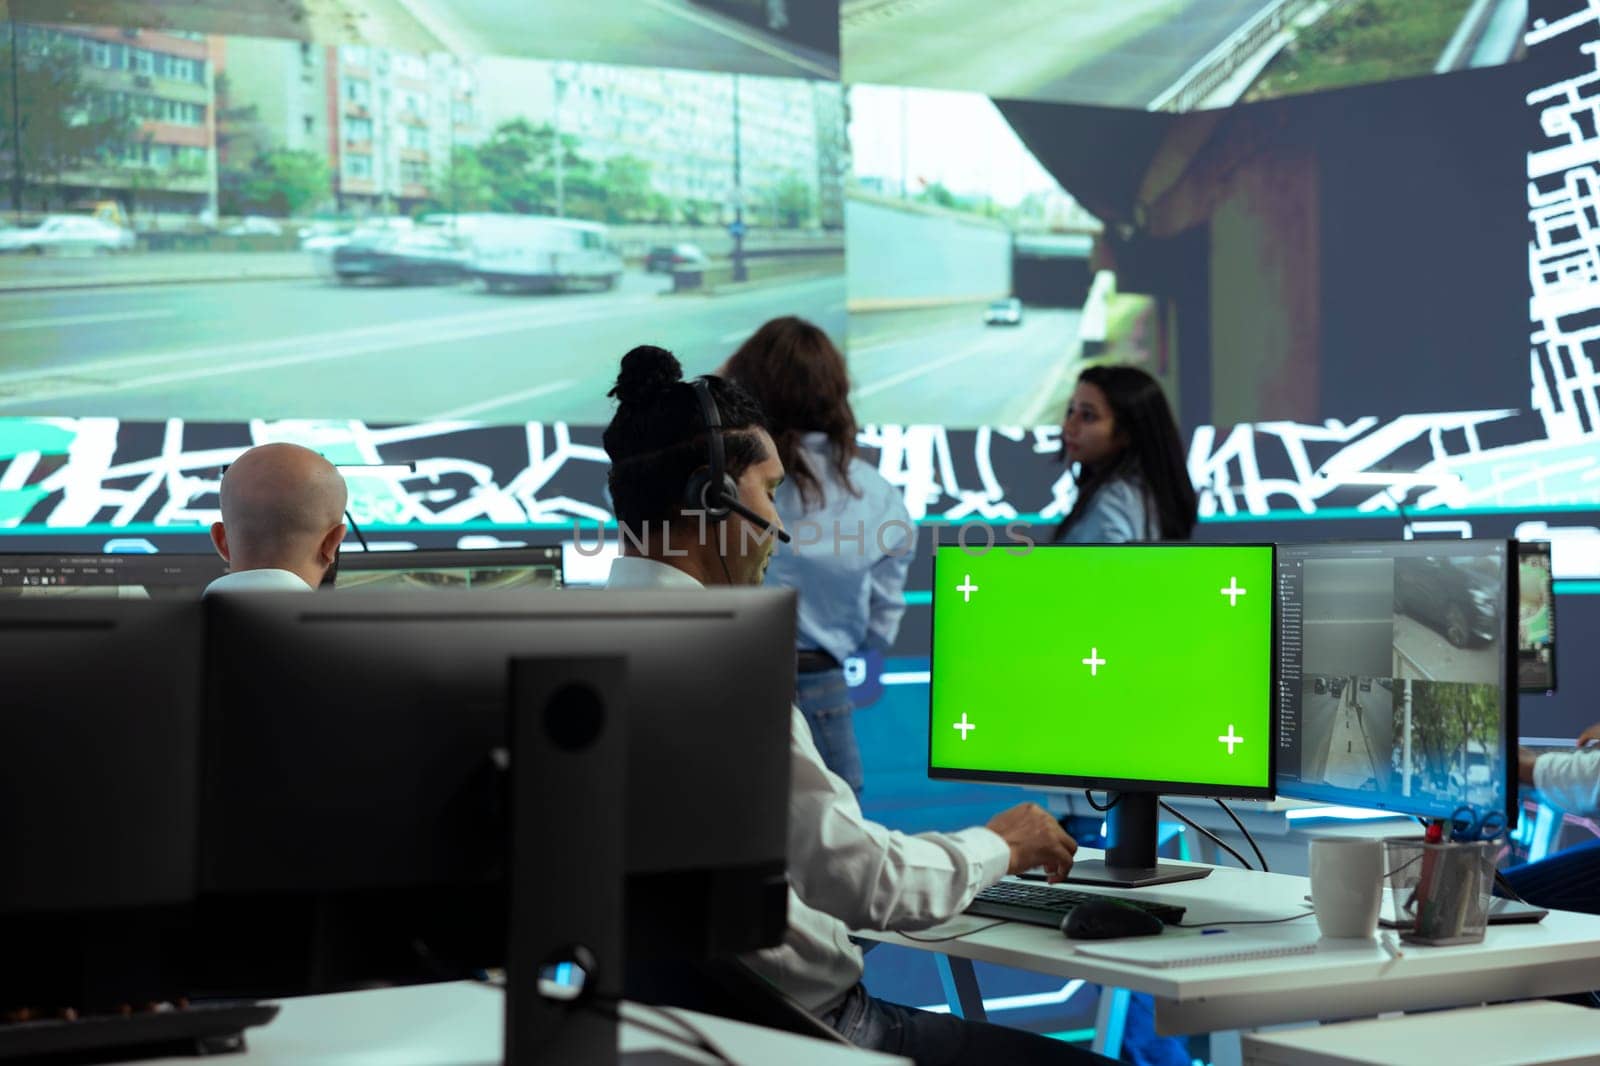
x: 1456, y: 596
x: 416, y: 258
x: 1003, y: 313
x: 68, y: 233
x: 1336, y: 686
x: 665, y: 258
x: 533, y: 252
x: 254, y: 226
x: 1319, y: 685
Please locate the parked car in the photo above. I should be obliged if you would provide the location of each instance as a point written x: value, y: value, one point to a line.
x: 62, y: 233
x: 404, y: 258
x: 665, y: 258
x: 254, y: 226
x: 1456, y: 596
x: 547, y: 254
x: 1003, y: 313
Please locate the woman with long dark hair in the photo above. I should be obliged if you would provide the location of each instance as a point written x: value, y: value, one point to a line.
x: 853, y: 536
x: 1133, y: 482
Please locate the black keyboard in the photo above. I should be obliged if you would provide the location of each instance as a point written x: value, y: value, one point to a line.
x: 204, y: 1027
x: 1047, y: 905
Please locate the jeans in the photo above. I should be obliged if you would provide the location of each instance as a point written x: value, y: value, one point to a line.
x: 824, y: 700
x: 943, y: 1039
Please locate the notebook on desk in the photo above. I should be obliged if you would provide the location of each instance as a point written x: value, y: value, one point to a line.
x: 1166, y: 952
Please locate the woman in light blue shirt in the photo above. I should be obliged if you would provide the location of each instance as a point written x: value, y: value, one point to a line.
x: 1133, y: 483
x: 853, y: 538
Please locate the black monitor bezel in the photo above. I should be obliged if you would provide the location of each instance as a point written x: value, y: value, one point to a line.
x: 1544, y: 548
x: 1076, y: 781
x: 1508, y: 666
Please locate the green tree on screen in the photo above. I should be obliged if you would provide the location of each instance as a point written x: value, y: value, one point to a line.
x: 61, y: 123
x: 1446, y: 717
x: 280, y: 183
x: 793, y: 204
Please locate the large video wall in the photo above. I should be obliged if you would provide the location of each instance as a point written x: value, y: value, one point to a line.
x: 1355, y: 240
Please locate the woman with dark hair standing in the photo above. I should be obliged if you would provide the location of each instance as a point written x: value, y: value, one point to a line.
x: 853, y: 536
x: 1133, y: 483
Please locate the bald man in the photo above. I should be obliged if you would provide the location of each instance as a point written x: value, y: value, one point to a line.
x: 282, y: 520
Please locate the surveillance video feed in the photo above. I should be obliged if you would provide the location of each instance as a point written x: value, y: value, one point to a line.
x: 1394, y: 675
x: 1536, y: 622
x: 450, y: 571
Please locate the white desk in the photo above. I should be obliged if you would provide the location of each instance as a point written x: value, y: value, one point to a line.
x: 1510, y: 1034
x: 461, y: 1024
x: 1559, y: 955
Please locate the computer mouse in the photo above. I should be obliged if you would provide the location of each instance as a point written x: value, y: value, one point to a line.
x: 1105, y: 919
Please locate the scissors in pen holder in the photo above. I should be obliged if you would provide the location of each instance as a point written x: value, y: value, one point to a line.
x: 1469, y: 824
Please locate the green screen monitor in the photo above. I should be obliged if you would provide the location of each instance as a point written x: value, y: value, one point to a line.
x: 1137, y: 668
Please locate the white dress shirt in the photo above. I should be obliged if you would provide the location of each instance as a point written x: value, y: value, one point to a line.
x: 259, y: 581
x: 846, y: 872
x: 1570, y: 780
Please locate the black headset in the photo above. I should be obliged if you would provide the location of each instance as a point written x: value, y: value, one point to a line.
x: 712, y: 491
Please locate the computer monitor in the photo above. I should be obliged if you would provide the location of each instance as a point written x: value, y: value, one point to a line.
x: 129, y: 576
x: 1536, y: 618
x: 99, y: 749
x: 354, y: 762
x: 488, y: 568
x: 1138, y: 668
x: 1396, y: 668
x: 355, y: 757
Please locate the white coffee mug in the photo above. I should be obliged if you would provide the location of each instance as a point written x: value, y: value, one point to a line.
x: 1346, y: 886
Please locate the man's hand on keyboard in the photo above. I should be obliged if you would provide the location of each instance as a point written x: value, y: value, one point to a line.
x: 1036, y: 839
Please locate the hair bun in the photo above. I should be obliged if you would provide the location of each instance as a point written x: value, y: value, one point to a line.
x: 646, y: 372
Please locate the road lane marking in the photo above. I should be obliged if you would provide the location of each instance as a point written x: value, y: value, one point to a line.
x: 461, y: 413
x: 986, y: 345
x: 83, y: 320
x: 363, y: 346
x: 327, y: 346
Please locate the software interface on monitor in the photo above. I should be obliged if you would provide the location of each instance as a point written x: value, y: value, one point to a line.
x: 1536, y: 618
x: 119, y: 576
x: 1099, y: 665
x: 1392, y: 674
x: 511, y: 568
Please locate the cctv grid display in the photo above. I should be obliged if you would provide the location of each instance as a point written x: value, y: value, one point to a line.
x: 1397, y: 683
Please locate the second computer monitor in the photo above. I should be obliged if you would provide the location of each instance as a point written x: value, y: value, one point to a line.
x: 1397, y: 686
x: 1136, y: 668
x: 484, y: 569
x: 1129, y: 667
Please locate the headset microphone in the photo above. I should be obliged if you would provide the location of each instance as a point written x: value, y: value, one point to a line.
x: 712, y: 492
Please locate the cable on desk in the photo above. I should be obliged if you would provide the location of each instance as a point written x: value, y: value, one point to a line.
x: 1218, y: 841
x: 1089, y: 796
x: 1246, y: 921
x: 687, y: 1034
x: 953, y: 936
x: 1248, y: 838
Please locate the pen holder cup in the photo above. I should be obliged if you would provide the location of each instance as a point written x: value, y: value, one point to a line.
x: 1439, y: 893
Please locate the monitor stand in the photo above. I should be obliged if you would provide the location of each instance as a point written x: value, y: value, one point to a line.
x: 1130, y: 862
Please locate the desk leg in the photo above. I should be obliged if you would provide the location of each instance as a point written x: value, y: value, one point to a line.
x: 1227, y: 1048
x: 960, y: 983
x: 1111, y: 1017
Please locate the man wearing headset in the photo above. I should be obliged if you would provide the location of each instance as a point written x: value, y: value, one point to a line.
x: 692, y: 479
